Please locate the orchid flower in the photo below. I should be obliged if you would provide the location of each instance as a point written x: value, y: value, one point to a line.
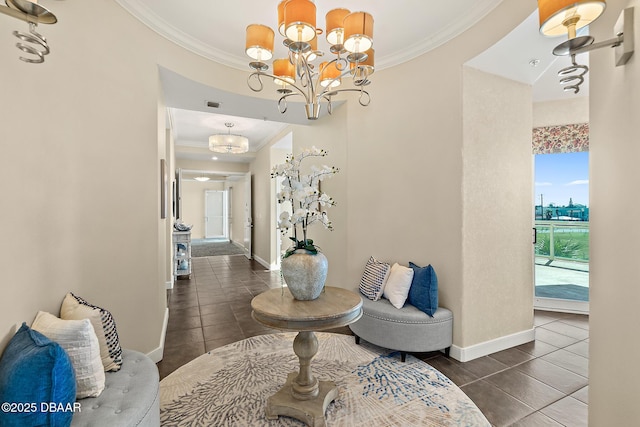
x: 307, y: 201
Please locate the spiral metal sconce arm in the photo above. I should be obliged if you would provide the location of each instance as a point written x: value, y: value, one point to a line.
x: 33, y: 45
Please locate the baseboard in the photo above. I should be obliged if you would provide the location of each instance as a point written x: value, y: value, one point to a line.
x: 563, y: 306
x: 465, y: 354
x: 169, y: 284
x: 157, y: 354
x: 262, y: 262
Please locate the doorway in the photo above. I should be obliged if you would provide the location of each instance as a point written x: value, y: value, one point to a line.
x: 216, y: 215
x: 561, y: 265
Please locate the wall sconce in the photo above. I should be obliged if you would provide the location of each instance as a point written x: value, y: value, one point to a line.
x: 560, y: 17
x: 31, y: 43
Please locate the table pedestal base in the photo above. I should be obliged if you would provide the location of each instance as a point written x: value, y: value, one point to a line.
x: 309, y: 411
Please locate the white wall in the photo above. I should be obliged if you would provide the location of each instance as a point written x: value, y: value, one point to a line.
x: 497, y: 194
x: 614, y: 274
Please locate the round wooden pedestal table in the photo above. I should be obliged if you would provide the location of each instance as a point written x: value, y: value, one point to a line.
x: 304, y: 397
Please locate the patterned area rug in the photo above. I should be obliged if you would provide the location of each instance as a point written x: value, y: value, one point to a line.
x: 229, y: 386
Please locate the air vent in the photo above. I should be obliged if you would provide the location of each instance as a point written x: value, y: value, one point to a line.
x: 213, y: 104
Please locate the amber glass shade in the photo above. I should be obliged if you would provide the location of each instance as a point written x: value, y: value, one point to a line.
x: 300, y: 20
x: 358, y: 32
x: 553, y: 13
x: 335, y: 26
x: 281, y: 16
x: 329, y: 74
x: 284, y: 69
x: 366, y: 66
x: 259, y: 42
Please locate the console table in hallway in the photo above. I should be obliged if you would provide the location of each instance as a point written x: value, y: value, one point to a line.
x: 303, y: 396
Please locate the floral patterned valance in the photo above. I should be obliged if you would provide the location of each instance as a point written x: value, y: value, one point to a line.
x: 561, y: 139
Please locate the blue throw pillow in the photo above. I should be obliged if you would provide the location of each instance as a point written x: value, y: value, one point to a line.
x: 36, y: 373
x: 423, y: 293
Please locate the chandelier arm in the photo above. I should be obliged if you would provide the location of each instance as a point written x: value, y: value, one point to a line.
x: 342, y: 64
x: 259, y: 74
x: 359, y: 83
x: 345, y: 73
x: 307, y: 74
x: 293, y: 85
x: 283, y: 101
x: 362, y: 100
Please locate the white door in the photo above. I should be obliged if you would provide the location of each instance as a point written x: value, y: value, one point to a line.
x: 248, y: 219
x: 215, y: 216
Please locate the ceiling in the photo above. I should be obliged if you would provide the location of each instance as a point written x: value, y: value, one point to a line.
x: 218, y: 33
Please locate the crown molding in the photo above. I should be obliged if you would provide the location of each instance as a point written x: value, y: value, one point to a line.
x: 141, y: 12
x: 480, y: 9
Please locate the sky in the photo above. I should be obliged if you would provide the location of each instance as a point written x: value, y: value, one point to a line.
x: 559, y: 177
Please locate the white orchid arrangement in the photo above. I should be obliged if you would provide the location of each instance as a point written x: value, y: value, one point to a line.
x: 307, y: 201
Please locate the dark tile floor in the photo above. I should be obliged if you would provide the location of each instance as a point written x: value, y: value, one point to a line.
x: 542, y: 383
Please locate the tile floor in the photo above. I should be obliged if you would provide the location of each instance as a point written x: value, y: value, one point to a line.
x: 542, y: 383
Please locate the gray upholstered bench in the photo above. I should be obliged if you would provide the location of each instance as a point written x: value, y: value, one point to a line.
x: 406, y: 330
x: 130, y: 397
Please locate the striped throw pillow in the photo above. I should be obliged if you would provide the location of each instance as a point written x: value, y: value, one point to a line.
x: 74, y: 307
x: 374, y: 278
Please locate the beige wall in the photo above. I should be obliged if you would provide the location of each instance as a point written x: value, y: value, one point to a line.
x: 497, y: 194
x: 81, y: 138
x: 405, y: 172
x: 561, y: 112
x: 614, y: 274
x: 193, y: 195
x: 81, y: 144
x: 193, y: 201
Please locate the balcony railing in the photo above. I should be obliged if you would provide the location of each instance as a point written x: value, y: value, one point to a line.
x: 562, y: 240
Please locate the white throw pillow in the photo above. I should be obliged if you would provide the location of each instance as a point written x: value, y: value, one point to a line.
x: 398, y: 284
x: 79, y: 340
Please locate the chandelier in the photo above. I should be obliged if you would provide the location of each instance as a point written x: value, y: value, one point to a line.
x: 228, y: 143
x: 350, y: 35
